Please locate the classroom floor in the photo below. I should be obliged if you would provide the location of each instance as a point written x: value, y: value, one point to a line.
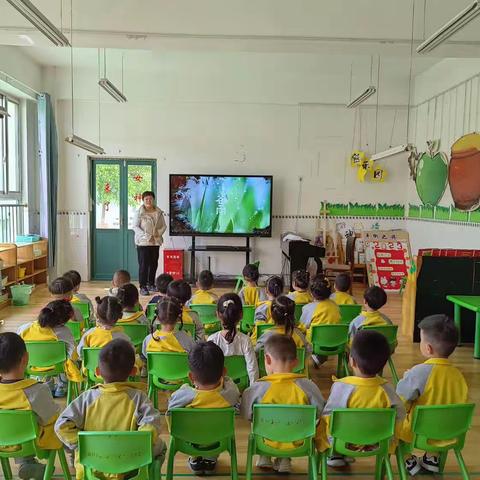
x: 406, y: 355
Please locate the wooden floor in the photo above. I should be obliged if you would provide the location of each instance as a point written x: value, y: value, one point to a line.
x: 407, y: 355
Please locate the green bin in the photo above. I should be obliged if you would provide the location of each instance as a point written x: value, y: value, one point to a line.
x: 21, y: 294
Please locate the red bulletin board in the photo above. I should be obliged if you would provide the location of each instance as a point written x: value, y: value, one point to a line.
x: 387, y: 255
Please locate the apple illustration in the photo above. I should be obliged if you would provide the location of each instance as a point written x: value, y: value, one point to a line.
x: 431, y: 176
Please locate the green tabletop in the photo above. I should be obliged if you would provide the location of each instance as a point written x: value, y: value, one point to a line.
x: 472, y: 302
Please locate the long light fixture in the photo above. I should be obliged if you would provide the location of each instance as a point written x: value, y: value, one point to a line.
x: 42, y: 23
x: 85, y: 144
x: 451, y: 27
x: 362, y: 97
x: 112, y: 90
x: 392, y: 151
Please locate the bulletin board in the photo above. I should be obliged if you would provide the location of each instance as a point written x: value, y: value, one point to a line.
x: 388, y: 258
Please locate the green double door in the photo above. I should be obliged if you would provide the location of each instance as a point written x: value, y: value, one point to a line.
x: 116, y: 188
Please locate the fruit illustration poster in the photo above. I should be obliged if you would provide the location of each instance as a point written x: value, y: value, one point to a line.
x: 387, y: 255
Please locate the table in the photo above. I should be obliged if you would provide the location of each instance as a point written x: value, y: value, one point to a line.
x: 470, y: 302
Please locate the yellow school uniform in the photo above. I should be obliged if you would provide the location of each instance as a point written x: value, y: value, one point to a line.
x: 133, y: 318
x: 203, y: 297
x: 301, y: 296
x: 323, y: 312
x: 167, y: 342
x: 342, y: 298
x: 191, y: 317
x: 263, y: 312
x: 252, y: 295
x: 368, y: 319
x: 99, y: 336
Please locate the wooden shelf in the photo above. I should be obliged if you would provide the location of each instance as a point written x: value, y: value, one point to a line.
x: 10, y: 283
x: 8, y: 265
x: 36, y: 272
x: 23, y: 261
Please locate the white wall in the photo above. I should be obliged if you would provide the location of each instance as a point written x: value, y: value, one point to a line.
x: 17, y: 64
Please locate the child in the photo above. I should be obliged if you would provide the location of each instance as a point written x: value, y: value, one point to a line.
x: 62, y: 289
x: 365, y: 389
x: 435, y: 382
x: 229, y: 339
x: 251, y: 294
x: 300, y: 283
x: 161, y: 282
x: 212, y: 389
x: 50, y: 327
x: 78, y: 297
x: 116, y: 405
x: 18, y: 393
x: 182, y: 291
x: 169, y: 314
x: 374, y: 299
x: 274, y: 288
x: 129, y: 299
x: 204, y: 295
x: 341, y: 296
x: 120, y: 278
x: 280, y: 386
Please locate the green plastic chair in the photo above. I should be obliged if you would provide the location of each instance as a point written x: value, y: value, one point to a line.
x: 116, y: 453
x: 49, y: 354
x: 137, y: 332
x: 349, y: 312
x: 328, y: 340
x: 298, y: 312
x: 151, y: 312
x: 240, y: 281
x: 187, y: 327
x: 90, y: 363
x: 208, y: 316
x: 166, y: 372
x: 76, y: 330
x: 248, y: 320
x: 20, y: 428
x: 447, y: 423
x: 213, y: 434
x: 84, y: 308
x: 237, y: 370
x: 390, y: 332
x: 261, y: 328
x: 283, y: 423
x: 300, y: 368
x: 362, y: 426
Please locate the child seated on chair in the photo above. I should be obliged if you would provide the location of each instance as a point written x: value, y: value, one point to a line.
x: 116, y: 405
x: 78, y: 297
x: 50, y: 327
x: 300, y: 284
x: 166, y: 339
x: 130, y: 301
x: 280, y: 386
x: 204, y: 294
x: 120, y: 278
x: 62, y: 289
x: 365, y: 389
x: 211, y: 389
x: 340, y: 296
x: 182, y: 291
x: 251, y: 293
x: 20, y: 393
x: 273, y: 288
x: 435, y: 382
x: 230, y: 339
x: 374, y: 299
x: 161, y: 282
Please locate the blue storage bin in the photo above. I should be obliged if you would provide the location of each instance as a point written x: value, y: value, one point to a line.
x: 27, y: 238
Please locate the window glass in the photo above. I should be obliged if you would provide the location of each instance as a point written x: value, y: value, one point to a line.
x: 13, y: 148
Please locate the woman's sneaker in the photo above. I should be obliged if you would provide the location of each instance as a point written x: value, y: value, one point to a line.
x: 336, y: 461
x: 412, y: 465
x: 282, y: 465
x: 152, y: 288
x: 144, y: 292
x: 264, y: 462
x: 430, y: 463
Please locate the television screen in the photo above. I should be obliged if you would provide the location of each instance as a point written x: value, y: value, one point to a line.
x: 208, y: 205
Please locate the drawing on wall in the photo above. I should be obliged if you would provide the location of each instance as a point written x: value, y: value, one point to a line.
x: 366, y: 168
x: 464, y: 172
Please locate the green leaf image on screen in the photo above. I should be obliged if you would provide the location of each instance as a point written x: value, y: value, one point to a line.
x: 220, y: 205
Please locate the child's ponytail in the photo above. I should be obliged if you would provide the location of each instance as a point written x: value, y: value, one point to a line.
x: 109, y: 310
x: 230, y: 311
x: 275, y: 286
x: 55, y: 314
x: 283, y: 313
x: 321, y: 288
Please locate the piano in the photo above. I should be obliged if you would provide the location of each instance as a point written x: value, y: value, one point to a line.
x: 297, y: 252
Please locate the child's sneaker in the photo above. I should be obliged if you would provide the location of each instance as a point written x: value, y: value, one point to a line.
x: 430, y: 463
x: 144, y: 372
x: 282, y: 465
x: 209, y: 465
x: 264, y: 462
x: 196, y: 465
x: 336, y: 461
x: 60, y: 391
x: 412, y: 465
x: 31, y: 469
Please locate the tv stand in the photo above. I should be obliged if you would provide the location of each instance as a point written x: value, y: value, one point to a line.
x: 216, y: 248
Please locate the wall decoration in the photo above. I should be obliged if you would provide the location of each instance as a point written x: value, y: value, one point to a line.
x: 366, y: 210
x: 377, y: 175
x: 357, y: 157
x: 366, y: 167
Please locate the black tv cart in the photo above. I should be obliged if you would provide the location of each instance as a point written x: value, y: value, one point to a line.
x: 216, y: 248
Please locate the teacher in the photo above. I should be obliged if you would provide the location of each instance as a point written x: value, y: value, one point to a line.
x: 149, y: 226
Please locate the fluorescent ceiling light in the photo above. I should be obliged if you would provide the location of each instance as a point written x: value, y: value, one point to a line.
x: 392, y: 151
x: 361, y: 98
x: 42, y: 23
x: 84, y: 144
x: 451, y: 27
x: 3, y: 112
x: 112, y: 90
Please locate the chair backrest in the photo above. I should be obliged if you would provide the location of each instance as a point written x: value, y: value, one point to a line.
x: 115, y: 452
x: 362, y: 426
x: 329, y: 336
x: 187, y: 327
x: 84, y: 308
x: 90, y: 358
x: 19, y: 428
x: 248, y: 319
x: 261, y: 328
x: 207, y: 313
x: 168, y: 366
x: 136, y: 332
x: 298, y: 369
x: 388, y: 331
x: 284, y: 423
x: 237, y: 370
x: 151, y: 311
x: 211, y: 424
x: 350, y: 250
x: 298, y: 311
x: 447, y: 423
x: 74, y: 327
x: 349, y: 312
x: 46, y: 354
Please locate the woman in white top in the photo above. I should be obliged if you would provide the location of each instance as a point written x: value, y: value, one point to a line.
x: 229, y: 339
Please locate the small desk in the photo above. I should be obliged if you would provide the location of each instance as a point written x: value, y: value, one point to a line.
x: 470, y: 302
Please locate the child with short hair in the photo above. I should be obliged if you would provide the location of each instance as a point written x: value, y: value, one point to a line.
x: 374, y: 299
x: 116, y: 405
x: 20, y: 393
x: 251, y: 293
x: 166, y: 339
x: 204, y: 294
x: 50, y: 327
x: 230, y: 339
x: 435, y: 382
x: 365, y: 389
x: 161, y: 282
x: 274, y: 288
x: 130, y: 301
x: 78, y: 297
x: 340, y: 296
x: 280, y: 386
x: 211, y: 389
x: 300, y: 284
x: 61, y: 288
x: 120, y: 278
x: 182, y: 291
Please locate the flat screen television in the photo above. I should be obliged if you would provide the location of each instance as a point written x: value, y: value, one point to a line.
x: 221, y: 205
